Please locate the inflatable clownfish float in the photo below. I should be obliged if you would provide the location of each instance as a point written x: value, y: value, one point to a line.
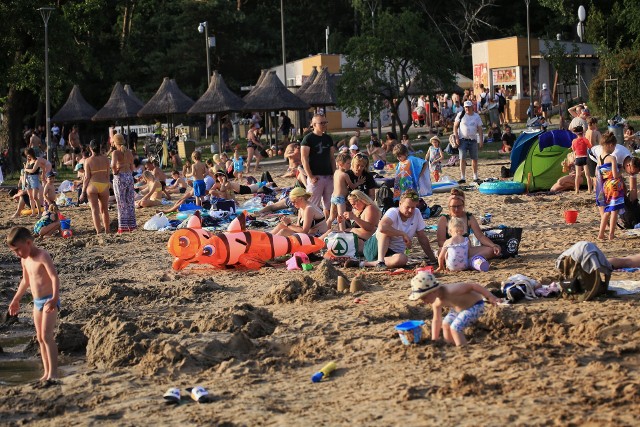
x: 236, y: 246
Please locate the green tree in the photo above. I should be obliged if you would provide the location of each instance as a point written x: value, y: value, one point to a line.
x: 623, y: 65
x: 563, y: 61
x: 387, y: 65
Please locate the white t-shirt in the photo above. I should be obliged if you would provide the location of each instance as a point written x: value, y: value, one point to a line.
x: 208, y: 182
x: 411, y: 226
x: 469, y: 126
x: 578, y: 121
x: 620, y: 153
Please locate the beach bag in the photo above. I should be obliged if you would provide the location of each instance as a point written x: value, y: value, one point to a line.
x: 585, y: 270
x: 384, y: 198
x: 631, y: 215
x: 519, y: 287
x: 156, y: 222
x: 508, y: 238
x: 341, y: 245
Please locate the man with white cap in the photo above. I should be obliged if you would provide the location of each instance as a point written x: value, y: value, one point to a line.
x: 465, y: 302
x: 467, y: 131
x: 546, y: 102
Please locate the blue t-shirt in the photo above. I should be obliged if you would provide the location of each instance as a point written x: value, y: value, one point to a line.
x: 238, y: 165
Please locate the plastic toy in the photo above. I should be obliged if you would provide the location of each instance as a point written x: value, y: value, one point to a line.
x: 237, y: 246
x: 324, y: 372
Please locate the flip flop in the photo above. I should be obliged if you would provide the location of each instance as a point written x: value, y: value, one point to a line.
x: 172, y: 395
x: 199, y: 394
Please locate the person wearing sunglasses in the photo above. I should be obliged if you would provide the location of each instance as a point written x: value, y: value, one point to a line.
x: 386, y: 248
x: 457, y: 209
x: 317, y: 153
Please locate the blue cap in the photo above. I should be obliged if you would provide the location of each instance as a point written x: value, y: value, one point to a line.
x: 78, y: 167
x: 317, y: 377
x: 378, y: 164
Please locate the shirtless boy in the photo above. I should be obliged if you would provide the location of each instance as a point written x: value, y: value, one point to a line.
x: 342, y: 184
x: 464, y: 299
x: 50, y: 189
x: 198, y: 171
x: 39, y: 274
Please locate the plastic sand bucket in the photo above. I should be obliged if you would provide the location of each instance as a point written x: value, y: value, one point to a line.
x: 571, y: 216
x: 65, y: 224
x: 479, y: 263
x: 410, y: 332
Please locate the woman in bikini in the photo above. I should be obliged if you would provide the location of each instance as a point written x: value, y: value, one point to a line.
x: 310, y: 221
x: 153, y: 191
x: 488, y: 249
x: 96, y: 187
x: 32, y: 172
x: 122, y: 166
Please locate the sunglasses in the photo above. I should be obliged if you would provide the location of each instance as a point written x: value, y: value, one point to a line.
x: 456, y: 206
x: 411, y: 196
x: 361, y: 156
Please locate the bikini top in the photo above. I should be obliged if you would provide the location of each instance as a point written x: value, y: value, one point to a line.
x: 315, y: 222
x: 36, y: 172
x: 448, y: 236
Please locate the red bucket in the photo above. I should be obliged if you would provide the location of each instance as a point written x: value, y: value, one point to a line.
x: 571, y: 216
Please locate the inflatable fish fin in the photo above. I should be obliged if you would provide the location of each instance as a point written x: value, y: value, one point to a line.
x: 239, y: 223
x: 179, y: 264
x: 251, y: 261
x: 195, y: 221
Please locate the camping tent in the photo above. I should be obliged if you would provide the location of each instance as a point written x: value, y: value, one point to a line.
x: 539, y: 155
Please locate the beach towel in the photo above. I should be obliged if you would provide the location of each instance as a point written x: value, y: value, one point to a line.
x: 409, y: 175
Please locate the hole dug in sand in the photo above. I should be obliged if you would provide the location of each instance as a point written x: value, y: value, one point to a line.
x: 300, y: 291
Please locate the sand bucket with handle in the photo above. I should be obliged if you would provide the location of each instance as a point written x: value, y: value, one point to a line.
x: 570, y: 216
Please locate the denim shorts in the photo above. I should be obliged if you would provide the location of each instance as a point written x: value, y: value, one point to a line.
x: 33, y: 181
x: 470, y: 145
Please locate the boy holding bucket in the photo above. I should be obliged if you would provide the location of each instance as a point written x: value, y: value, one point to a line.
x: 465, y: 301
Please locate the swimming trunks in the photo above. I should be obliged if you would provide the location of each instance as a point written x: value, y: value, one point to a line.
x: 199, y: 188
x: 40, y: 302
x: 463, y: 319
x: 338, y: 200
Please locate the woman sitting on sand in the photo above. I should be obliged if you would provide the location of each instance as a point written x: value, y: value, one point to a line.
x: 364, y: 217
x: 310, y: 221
x: 488, y: 249
x: 153, y: 191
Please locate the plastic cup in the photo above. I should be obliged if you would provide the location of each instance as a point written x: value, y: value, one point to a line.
x: 410, y: 332
x: 571, y: 216
x: 480, y: 263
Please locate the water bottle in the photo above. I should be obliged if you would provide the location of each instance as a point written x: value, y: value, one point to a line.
x: 324, y: 372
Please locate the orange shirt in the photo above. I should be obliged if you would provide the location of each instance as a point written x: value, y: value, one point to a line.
x: 580, y: 145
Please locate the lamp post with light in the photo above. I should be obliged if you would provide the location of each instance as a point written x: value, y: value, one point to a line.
x: 582, y: 15
x: 529, y: 59
x: 203, y: 27
x: 46, y: 13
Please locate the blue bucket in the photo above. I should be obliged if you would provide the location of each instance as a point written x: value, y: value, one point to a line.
x: 410, y: 332
x: 65, y: 224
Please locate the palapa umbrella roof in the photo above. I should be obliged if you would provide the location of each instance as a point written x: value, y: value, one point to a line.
x: 217, y: 99
x: 76, y: 109
x: 169, y: 99
x: 304, y: 86
x: 321, y: 92
x: 272, y: 95
x: 119, y: 106
x: 249, y: 96
x: 132, y: 95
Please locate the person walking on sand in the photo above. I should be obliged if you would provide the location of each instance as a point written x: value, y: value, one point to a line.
x: 96, y: 187
x: 122, y: 167
x: 40, y: 275
x: 317, y: 155
x: 467, y: 131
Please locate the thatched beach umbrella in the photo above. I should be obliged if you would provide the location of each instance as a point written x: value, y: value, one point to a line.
x: 252, y: 92
x: 305, y: 85
x: 132, y: 95
x: 321, y: 92
x: 217, y: 99
x: 168, y: 100
x: 76, y: 109
x: 119, y: 106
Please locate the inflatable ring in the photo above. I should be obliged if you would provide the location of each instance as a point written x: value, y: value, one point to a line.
x: 26, y: 212
x: 443, y: 187
x: 186, y: 214
x: 502, y: 187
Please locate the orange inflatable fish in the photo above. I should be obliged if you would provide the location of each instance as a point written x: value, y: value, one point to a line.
x: 251, y: 249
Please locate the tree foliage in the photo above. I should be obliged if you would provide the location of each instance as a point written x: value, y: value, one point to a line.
x: 385, y: 65
x: 623, y: 65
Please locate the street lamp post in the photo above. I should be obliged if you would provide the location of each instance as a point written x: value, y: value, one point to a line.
x: 45, y: 12
x: 529, y: 59
x: 582, y: 15
x: 203, y: 27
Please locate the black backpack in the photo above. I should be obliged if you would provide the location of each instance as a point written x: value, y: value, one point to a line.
x: 483, y: 100
x: 384, y: 197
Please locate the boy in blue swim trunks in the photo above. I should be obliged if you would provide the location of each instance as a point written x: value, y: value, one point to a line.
x: 199, y: 170
x: 342, y: 185
x: 465, y: 301
x: 38, y: 273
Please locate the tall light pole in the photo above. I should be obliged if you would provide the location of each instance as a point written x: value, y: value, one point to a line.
x: 582, y: 15
x: 204, y: 28
x: 529, y: 59
x: 45, y: 12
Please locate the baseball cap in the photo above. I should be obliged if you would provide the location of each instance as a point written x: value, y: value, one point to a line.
x: 468, y: 104
x: 421, y: 284
x: 354, y: 147
x: 344, y: 149
x: 50, y: 174
x: 544, y: 85
x: 78, y: 167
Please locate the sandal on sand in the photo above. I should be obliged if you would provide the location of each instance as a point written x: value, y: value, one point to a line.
x: 199, y: 394
x: 172, y: 395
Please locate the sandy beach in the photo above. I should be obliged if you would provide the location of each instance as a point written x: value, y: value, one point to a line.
x: 130, y: 327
